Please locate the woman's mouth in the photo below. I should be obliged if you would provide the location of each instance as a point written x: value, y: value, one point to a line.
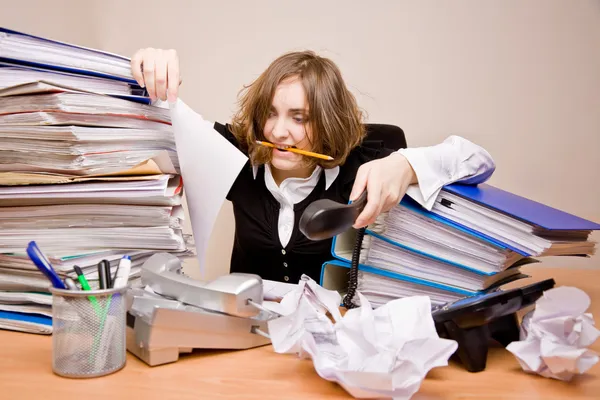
x: 283, y: 151
x: 283, y: 147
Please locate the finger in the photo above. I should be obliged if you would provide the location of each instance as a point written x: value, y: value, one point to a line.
x: 149, y: 68
x: 373, y: 207
x: 360, y: 182
x: 173, y: 77
x: 136, y: 67
x: 395, y: 196
x: 391, y: 199
x: 160, y: 76
x: 388, y: 204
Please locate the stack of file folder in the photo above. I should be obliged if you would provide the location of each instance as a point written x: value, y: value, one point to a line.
x: 88, y: 170
x: 473, y: 241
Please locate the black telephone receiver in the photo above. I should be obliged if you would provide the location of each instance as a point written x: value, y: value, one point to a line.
x: 324, y: 219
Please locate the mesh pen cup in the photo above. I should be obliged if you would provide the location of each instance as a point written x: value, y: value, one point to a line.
x: 88, y: 332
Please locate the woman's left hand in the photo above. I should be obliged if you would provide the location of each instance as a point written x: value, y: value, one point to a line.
x: 386, y: 181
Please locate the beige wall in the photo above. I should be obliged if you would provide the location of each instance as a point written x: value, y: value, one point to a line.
x: 519, y: 77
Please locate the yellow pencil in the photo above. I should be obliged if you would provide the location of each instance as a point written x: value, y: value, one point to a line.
x: 298, y: 151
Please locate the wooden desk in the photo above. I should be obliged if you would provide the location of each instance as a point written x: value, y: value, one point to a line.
x: 26, y: 371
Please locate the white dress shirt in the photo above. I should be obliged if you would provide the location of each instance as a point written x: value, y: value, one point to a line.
x: 454, y: 160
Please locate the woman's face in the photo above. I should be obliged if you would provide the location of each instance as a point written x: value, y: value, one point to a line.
x: 286, y: 126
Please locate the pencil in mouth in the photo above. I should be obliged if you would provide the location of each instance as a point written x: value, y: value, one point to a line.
x: 286, y: 148
x: 294, y: 149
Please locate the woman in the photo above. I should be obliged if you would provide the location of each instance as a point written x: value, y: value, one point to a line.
x: 301, y: 100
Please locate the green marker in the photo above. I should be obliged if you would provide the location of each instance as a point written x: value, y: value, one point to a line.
x: 86, y: 286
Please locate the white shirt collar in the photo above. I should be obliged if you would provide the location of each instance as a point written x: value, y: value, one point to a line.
x: 331, y: 174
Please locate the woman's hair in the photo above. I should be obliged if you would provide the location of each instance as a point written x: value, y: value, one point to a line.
x: 334, y: 117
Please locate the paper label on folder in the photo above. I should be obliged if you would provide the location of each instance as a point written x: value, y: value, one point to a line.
x: 209, y: 165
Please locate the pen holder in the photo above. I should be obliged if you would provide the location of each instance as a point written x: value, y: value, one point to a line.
x: 88, y: 332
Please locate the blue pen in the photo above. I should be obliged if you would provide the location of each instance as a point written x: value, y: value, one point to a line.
x: 43, y: 265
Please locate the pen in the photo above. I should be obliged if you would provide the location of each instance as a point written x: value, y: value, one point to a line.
x: 109, y: 280
x: 37, y: 257
x: 122, y: 274
x: 102, y: 275
x: 70, y: 284
x: 86, y: 286
x: 84, y: 283
x: 295, y: 150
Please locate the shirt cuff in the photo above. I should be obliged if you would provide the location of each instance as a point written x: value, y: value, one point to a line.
x: 454, y: 160
x: 425, y: 192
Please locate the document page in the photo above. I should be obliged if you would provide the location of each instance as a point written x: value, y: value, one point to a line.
x: 209, y: 166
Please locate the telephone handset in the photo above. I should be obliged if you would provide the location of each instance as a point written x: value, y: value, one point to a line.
x: 231, y: 294
x: 324, y: 219
x: 175, y: 313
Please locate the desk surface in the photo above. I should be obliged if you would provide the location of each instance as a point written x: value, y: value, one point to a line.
x: 26, y: 371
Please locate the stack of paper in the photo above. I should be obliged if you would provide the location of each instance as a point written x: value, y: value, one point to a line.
x: 474, y: 240
x: 88, y: 170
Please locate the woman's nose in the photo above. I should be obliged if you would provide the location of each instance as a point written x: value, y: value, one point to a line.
x: 279, y: 129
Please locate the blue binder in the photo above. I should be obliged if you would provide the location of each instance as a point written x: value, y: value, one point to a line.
x: 415, y: 207
x: 521, y: 208
x: 136, y: 90
x: 399, y: 277
x: 26, y: 322
x: 63, y: 68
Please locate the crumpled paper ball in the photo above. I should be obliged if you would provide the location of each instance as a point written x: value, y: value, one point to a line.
x: 554, y: 336
x: 381, y: 353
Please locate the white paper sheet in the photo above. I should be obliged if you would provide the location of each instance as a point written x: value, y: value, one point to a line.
x: 274, y: 290
x: 209, y: 165
x: 382, y: 353
x: 556, y: 334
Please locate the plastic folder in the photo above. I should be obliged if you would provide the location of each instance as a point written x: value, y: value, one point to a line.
x: 388, y: 274
x: 342, y: 245
x: 23, y: 322
x: 127, y: 88
x: 521, y: 208
x: 381, y: 286
x: 67, y: 67
x: 523, y: 224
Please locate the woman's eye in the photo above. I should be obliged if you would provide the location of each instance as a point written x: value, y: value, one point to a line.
x: 299, y: 119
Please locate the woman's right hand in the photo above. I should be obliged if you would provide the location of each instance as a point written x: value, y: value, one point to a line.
x: 158, y: 71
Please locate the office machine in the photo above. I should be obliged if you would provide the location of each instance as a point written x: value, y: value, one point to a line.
x: 474, y: 321
x: 173, y: 313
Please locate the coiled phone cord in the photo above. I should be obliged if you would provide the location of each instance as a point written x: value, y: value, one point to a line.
x: 353, y: 274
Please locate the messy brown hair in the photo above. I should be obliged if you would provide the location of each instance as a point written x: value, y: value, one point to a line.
x: 334, y: 116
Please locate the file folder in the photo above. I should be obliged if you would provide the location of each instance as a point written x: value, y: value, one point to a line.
x: 342, y: 245
x: 532, y: 228
x: 31, y: 323
x: 83, y: 82
x: 524, y: 209
x: 389, y: 285
x: 68, y: 66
